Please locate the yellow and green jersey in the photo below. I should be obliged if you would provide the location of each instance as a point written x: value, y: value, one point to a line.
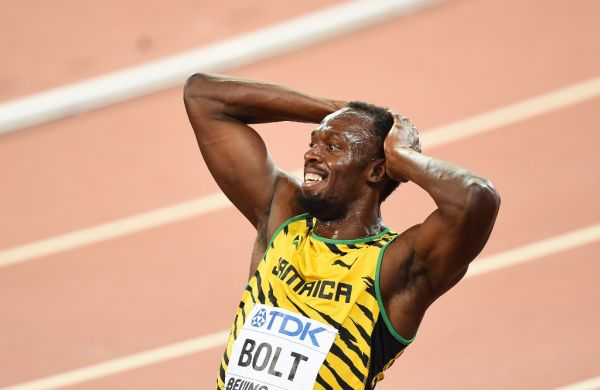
x: 311, y: 316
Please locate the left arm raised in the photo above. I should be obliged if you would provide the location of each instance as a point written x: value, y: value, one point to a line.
x: 454, y: 234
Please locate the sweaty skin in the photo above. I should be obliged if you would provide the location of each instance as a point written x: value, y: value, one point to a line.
x: 421, y: 264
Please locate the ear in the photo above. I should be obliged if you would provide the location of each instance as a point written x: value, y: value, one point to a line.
x: 376, y: 171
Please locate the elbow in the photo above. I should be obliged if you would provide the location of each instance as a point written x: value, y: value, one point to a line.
x: 483, y: 198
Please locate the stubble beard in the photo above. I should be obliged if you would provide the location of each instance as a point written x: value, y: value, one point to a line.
x: 321, y: 208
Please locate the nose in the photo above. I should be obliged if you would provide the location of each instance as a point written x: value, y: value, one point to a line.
x: 313, y: 155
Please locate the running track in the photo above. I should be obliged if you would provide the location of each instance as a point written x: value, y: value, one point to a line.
x: 529, y: 326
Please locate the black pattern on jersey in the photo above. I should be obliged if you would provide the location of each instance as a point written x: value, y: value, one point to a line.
x: 335, y: 349
x: 362, y: 331
x: 261, y: 294
x: 370, y: 285
x: 235, y: 328
x: 226, y: 357
x: 322, y: 382
x: 378, y: 243
x: 251, y: 293
x: 342, y: 264
x: 366, y: 311
x: 271, y: 295
x: 335, y: 249
x: 241, y: 307
x: 298, y: 308
x: 345, y: 335
x: 340, y: 381
x: 222, y: 368
x: 309, y: 223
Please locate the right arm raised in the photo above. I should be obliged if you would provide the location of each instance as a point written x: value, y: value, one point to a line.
x: 220, y: 108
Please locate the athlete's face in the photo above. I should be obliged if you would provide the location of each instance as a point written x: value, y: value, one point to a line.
x: 335, y: 163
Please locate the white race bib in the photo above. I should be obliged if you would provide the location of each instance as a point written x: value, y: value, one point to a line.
x: 278, y: 349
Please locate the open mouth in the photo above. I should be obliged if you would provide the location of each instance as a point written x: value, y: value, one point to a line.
x: 310, y: 177
x: 313, y: 177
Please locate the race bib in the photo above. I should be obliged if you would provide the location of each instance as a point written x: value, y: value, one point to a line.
x: 278, y: 349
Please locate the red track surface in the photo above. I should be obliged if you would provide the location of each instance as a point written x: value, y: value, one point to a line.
x: 532, y: 326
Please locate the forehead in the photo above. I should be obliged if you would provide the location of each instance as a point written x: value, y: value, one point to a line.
x: 347, y: 123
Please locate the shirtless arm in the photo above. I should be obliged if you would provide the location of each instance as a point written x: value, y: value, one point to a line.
x: 220, y: 108
x: 441, y: 248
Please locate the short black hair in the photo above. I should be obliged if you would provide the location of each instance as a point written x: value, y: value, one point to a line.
x: 382, y: 122
x: 381, y: 118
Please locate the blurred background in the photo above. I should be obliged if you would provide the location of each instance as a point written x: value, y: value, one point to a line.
x: 121, y: 264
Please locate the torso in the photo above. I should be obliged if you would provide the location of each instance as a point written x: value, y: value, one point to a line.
x: 311, y: 315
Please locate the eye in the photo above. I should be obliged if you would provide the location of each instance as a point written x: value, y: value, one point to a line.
x: 311, y: 145
x: 332, y: 147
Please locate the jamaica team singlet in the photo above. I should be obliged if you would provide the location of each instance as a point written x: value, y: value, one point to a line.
x: 311, y: 317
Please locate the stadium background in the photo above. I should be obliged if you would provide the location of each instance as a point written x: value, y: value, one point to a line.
x: 121, y: 266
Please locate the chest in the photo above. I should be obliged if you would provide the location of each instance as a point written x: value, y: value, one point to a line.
x: 318, y: 274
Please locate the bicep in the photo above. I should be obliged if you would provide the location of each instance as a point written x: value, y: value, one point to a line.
x: 237, y: 158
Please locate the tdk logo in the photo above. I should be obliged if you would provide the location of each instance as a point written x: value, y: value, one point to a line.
x: 287, y: 324
x: 259, y: 318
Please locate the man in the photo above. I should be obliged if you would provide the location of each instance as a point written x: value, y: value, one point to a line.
x: 334, y: 296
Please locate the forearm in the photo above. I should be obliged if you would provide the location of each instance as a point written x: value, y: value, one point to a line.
x: 454, y: 189
x: 250, y: 101
x: 453, y: 234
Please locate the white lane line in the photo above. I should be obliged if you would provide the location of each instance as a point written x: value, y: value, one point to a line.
x: 126, y: 363
x: 435, y: 137
x: 590, y: 384
x: 542, y: 248
x: 498, y: 261
x: 541, y: 104
x: 114, y: 229
x: 248, y: 48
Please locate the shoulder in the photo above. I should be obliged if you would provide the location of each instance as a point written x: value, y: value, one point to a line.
x: 403, y: 244
x: 283, y: 205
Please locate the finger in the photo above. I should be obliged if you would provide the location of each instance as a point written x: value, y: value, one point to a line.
x: 395, y: 115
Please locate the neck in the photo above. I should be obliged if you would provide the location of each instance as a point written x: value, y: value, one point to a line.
x: 351, y: 226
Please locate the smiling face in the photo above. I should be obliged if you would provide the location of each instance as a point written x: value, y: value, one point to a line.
x: 336, y: 163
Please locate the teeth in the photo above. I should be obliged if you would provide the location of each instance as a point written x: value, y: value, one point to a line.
x: 312, y: 177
